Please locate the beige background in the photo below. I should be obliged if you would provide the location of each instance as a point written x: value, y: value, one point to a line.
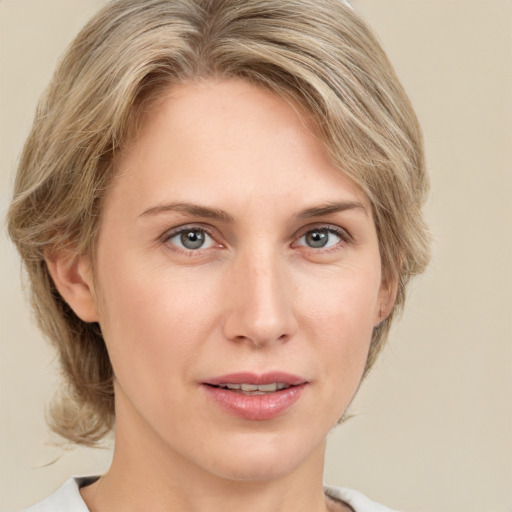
x: 433, y: 424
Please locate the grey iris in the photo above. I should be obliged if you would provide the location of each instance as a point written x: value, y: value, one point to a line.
x: 192, y: 239
x: 317, y: 239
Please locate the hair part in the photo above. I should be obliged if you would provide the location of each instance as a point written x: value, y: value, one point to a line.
x: 317, y: 53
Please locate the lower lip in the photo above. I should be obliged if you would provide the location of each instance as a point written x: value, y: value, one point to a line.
x: 256, y: 407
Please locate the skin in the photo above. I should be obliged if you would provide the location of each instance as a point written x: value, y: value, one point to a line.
x: 256, y: 296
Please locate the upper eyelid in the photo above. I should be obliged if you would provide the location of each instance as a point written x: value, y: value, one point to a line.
x: 167, y: 236
x: 342, y: 232
x: 172, y: 232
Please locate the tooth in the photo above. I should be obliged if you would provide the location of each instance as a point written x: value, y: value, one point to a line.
x: 248, y: 387
x: 267, y: 387
x: 261, y: 388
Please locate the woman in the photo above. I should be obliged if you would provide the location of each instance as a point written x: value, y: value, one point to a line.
x: 219, y: 208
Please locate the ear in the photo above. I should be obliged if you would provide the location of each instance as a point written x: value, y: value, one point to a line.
x: 73, y: 278
x: 387, y: 296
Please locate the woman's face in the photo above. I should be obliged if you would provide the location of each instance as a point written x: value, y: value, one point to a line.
x: 238, y: 281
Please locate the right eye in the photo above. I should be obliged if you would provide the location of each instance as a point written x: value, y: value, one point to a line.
x: 191, y: 239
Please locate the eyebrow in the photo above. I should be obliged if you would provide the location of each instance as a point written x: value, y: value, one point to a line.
x: 330, y: 208
x: 190, y: 209
x: 221, y: 215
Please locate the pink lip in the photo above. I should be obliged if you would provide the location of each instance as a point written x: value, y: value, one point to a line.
x: 256, y: 407
x: 253, y: 378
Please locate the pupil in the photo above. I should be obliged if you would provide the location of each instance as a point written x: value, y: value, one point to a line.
x: 316, y: 239
x: 192, y: 239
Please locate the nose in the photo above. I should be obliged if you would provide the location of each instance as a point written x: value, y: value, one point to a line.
x: 260, y: 301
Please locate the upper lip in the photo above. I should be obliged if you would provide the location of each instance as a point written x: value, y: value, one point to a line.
x: 254, y: 378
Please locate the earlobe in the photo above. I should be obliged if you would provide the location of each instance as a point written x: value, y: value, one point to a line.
x: 72, y: 275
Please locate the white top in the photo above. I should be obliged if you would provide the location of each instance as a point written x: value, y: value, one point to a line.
x: 68, y: 499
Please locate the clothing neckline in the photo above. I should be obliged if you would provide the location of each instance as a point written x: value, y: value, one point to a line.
x: 69, y: 499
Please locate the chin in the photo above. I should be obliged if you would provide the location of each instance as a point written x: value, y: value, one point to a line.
x: 254, y: 471
x: 259, y: 461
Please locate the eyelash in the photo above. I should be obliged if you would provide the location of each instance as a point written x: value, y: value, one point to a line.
x: 342, y: 234
x: 169, y: 235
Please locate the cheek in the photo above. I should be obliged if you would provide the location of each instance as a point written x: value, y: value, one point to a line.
x: 152, y: 314
x: 343, y: 304
x: 341, y: 317
x: 344, y: 335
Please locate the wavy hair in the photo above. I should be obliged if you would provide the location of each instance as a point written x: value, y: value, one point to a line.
x: 317, y: 53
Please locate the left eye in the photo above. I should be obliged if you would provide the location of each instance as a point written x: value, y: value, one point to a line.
x: 320, y: 238
x: 192, y: 239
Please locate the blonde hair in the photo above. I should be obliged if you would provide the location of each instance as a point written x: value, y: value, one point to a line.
x: 318, y: 53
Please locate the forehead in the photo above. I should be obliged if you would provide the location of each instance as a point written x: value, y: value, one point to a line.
x: 198, y: 136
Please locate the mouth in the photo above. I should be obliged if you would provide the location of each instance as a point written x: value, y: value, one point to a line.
x: 255, y: 389
x: 256, y: 397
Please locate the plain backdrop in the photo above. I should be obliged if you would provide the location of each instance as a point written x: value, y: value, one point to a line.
x: 432, y: 425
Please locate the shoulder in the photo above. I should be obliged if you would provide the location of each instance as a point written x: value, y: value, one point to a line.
x: 66, y: 499
x: 356, y: 500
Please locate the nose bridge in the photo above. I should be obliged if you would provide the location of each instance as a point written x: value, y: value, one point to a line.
x: 261, y: 308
